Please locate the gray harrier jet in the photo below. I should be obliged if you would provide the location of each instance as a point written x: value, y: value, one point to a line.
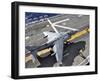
x: 57, y: 38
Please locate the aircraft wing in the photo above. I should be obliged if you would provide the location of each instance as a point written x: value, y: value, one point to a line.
x: 51, y: 36
x: 58, y: 49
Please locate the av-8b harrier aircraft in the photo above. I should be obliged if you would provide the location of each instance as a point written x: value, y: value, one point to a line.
x: 57, y: 38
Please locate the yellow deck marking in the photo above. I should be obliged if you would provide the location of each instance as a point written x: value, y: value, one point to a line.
x: 78, y: 34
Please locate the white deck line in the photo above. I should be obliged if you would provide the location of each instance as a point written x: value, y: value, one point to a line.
x: 69, y: 28
x: 52, y: 26
x: 61, y: 21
